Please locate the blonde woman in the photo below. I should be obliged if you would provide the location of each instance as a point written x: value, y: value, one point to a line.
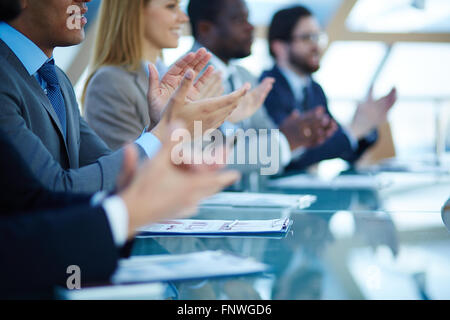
x: 130, y: 35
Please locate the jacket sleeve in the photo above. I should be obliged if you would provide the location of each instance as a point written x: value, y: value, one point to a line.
x: 277, y: 104
x: 38, y: 248
x: 21, y: 191
x: 338, y: 146
x: 99, y: 167
x: 111, y: 107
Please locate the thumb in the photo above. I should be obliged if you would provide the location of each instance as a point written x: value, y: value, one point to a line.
x: 295, y: 114
x: 266, y: 87
x: 179, y: 96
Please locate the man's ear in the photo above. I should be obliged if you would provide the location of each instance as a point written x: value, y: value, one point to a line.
x: 280, y: 50
x: 24, y: 4
x: 204, y: 28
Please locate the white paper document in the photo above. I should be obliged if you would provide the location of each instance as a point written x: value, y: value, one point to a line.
x: 192, y: 266
x: 217, y: 227
x: 259, y: 200
x: 304, y: 181
x: 142, y: 291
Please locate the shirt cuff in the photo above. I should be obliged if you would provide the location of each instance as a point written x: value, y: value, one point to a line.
x: 117, y: 214
x: 150, y: 143
x: 285, y: 149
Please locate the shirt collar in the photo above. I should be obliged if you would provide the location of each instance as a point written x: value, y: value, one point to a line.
x: 226, y: 69
x: 25, y: 50
x: 296, y: 82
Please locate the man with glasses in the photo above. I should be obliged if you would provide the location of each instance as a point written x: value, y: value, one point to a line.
x: 296, y: 43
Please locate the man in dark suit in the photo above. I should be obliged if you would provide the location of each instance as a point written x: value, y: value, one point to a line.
x: 40, y: 114
x: 63, y: 230
x: 37, y: 247
x: 223, y: 27
x: 42, y: 233
x: 294, y: 37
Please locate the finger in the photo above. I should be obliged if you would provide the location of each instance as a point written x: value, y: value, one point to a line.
x: 325, y: 120
x: 179, y: 97
x: 213, y: 85
x: 214, y: 88
x: 319, y: 111
x: 217, y: 89
x: 295, y: 114
x: 210, y: 183
x: 392, y: 97
x: 187, y: 212
x: 181, y: 65
x: 267, y: 82
x: 264, y: 89
x: 202, y: 59
x: 332, y: 129
x: 205, y: 79
x: 227, y: 100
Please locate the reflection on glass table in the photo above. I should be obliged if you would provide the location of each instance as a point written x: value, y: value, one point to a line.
x: 329, y: 255
x: 386, y: 191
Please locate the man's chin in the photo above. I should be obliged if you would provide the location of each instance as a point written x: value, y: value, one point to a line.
x: 73, y: 40
x: 314, y: 68
x: 242, y: 54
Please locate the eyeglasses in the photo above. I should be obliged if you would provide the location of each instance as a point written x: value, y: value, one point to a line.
x: 318, y: 38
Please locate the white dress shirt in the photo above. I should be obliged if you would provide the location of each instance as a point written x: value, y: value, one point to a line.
x: 228, y: 71
x: 33, y: 58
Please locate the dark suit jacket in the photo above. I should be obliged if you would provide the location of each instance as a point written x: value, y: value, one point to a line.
x: 82, y: 163
x: 281, y: 102
x: 62, y: 230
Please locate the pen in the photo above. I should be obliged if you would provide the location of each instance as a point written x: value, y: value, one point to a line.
x: 231, y: 225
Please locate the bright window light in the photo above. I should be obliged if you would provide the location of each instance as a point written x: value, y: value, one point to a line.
x: 400, y: 16
x: 348, y: 67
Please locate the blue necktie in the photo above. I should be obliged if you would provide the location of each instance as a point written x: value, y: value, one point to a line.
x: 48, y: 73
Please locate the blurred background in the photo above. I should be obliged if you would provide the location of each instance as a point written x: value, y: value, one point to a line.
x: 383, y: 43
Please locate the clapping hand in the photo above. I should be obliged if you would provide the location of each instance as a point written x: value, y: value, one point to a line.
x: 161, y: 190
x: 310, y: 129
x: 371, y: 113
x: 252, y: 101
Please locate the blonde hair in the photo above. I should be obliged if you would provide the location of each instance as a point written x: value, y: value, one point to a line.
x: 119, y: 36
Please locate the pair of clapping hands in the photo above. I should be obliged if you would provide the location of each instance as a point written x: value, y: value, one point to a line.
x: 179, y: 97
x: 158, y: 189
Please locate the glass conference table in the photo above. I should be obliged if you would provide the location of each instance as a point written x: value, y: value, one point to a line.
x: 372, y: 236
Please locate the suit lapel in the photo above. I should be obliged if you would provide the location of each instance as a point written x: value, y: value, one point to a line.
x: 71, y: 141
x: 282, y: 81
x: 33, y: 83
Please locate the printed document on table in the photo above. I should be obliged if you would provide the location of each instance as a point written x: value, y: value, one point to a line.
x: 304, y: 181
x: 163, y: 268
x: 260, y: 200
x: 217, y: 227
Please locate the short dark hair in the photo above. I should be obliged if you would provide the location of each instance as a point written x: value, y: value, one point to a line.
x: 9, y: 9
x: 199, y: 10
x: 284, y: 22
